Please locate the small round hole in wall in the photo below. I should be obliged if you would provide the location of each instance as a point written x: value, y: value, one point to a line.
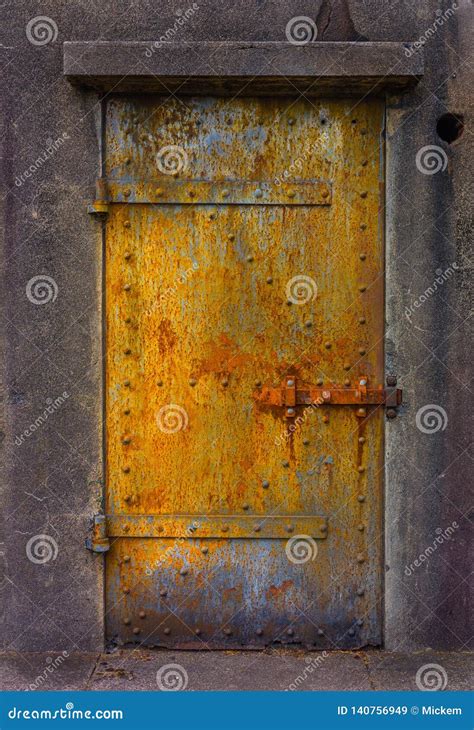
x: 450, y: 127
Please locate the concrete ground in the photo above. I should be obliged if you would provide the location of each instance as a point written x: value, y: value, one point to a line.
x: 270, y: 670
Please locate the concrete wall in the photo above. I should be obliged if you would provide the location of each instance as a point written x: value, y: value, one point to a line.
x: 52, y: 478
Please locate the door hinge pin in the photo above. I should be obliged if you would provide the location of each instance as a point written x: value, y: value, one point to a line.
x: 98, y: 542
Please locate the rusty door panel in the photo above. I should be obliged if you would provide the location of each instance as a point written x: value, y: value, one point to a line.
x: 260, y: 261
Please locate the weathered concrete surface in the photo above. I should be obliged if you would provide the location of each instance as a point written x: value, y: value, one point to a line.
x: 51, y: 482
x: 273, y: 670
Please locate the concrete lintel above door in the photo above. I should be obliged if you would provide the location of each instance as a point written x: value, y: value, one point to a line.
x: 243, y: 68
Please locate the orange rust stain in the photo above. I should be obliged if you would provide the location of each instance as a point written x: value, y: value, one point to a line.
x: 275, y: 591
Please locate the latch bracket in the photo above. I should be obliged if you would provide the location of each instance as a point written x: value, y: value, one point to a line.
x: 98, y: 542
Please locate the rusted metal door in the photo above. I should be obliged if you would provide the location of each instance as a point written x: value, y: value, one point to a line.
x: 244, y: 371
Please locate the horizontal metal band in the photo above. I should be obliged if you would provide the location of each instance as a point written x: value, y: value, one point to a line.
x: 216, y: 526
x: 202, y: 192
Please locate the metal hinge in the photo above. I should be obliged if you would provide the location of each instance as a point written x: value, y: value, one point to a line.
x: 291, y: 394
x: 100, y: 206
x: 98, y: 542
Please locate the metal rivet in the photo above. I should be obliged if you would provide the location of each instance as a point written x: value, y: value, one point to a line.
x: 163, y: 592
x: 258, y: 383
x: 347, y: 366
x: 257, y: 528
x: 363, y: 194
x: 360, y: 622
x: 290, y: 383
x: 127, y: 351
x: 127, y: 256
x: 325, y: 193
x: 204, y: 550
x: 285, y: 463
x: 320, y: 632
x: 259, y: 632
x: 245, y: 506
x: 212, y: 216
x: 325, y: 419
x: 391, y: 413
x: 159, y: 191
x: 127, y: 320
x: 361, y: 440
x: 291, y: 121
x: 308, y: 323
x: 361, y: 527
x: 289, y: 528
x: 126, y: 441
x: 360, y: 591
x: 126, y: 224
x: 291, y: 193
x: 198, y: 632
x: 250, y: 258
x: 319, y: 381
x: 227, y: 632
x: 290, y: 411
x: 363, y: 226
x: 126, y: 469
x: 126, y: 558
x: 290, y: 632
x: 225, y: 528
x: 362, y: 256
x: 360, y: 558
x: 126, y: 383
x: 183, y: 571
x: 159, y: 383
x: 127, y: 621
x: 362, y: 350
x: 126, y: 591
x: 323, y: 528
x: 127, y: 193
x: 142, y: 614
x: 192, y: 382
x: 191, y: 193
x: 289, y: 302
x: 265, y: 484
x: 167, y: 631
x: 363, y: 382
x: 347, y: 381
x: 327, y: 345
x: 258, y: 193
x: 361, y: 412
x: 362, y: 288
x: 127, y: 498
x: 269, y: 280
x: 361, y: 468
x: 127, y: 287
x: 351, y: 632
x: 365, y: 163
x: 305, y: 442
x: 362, y: 320
x: 225, y: 193
x: 231, y: 237
x: 361, y: 498
x: 225, y: 382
